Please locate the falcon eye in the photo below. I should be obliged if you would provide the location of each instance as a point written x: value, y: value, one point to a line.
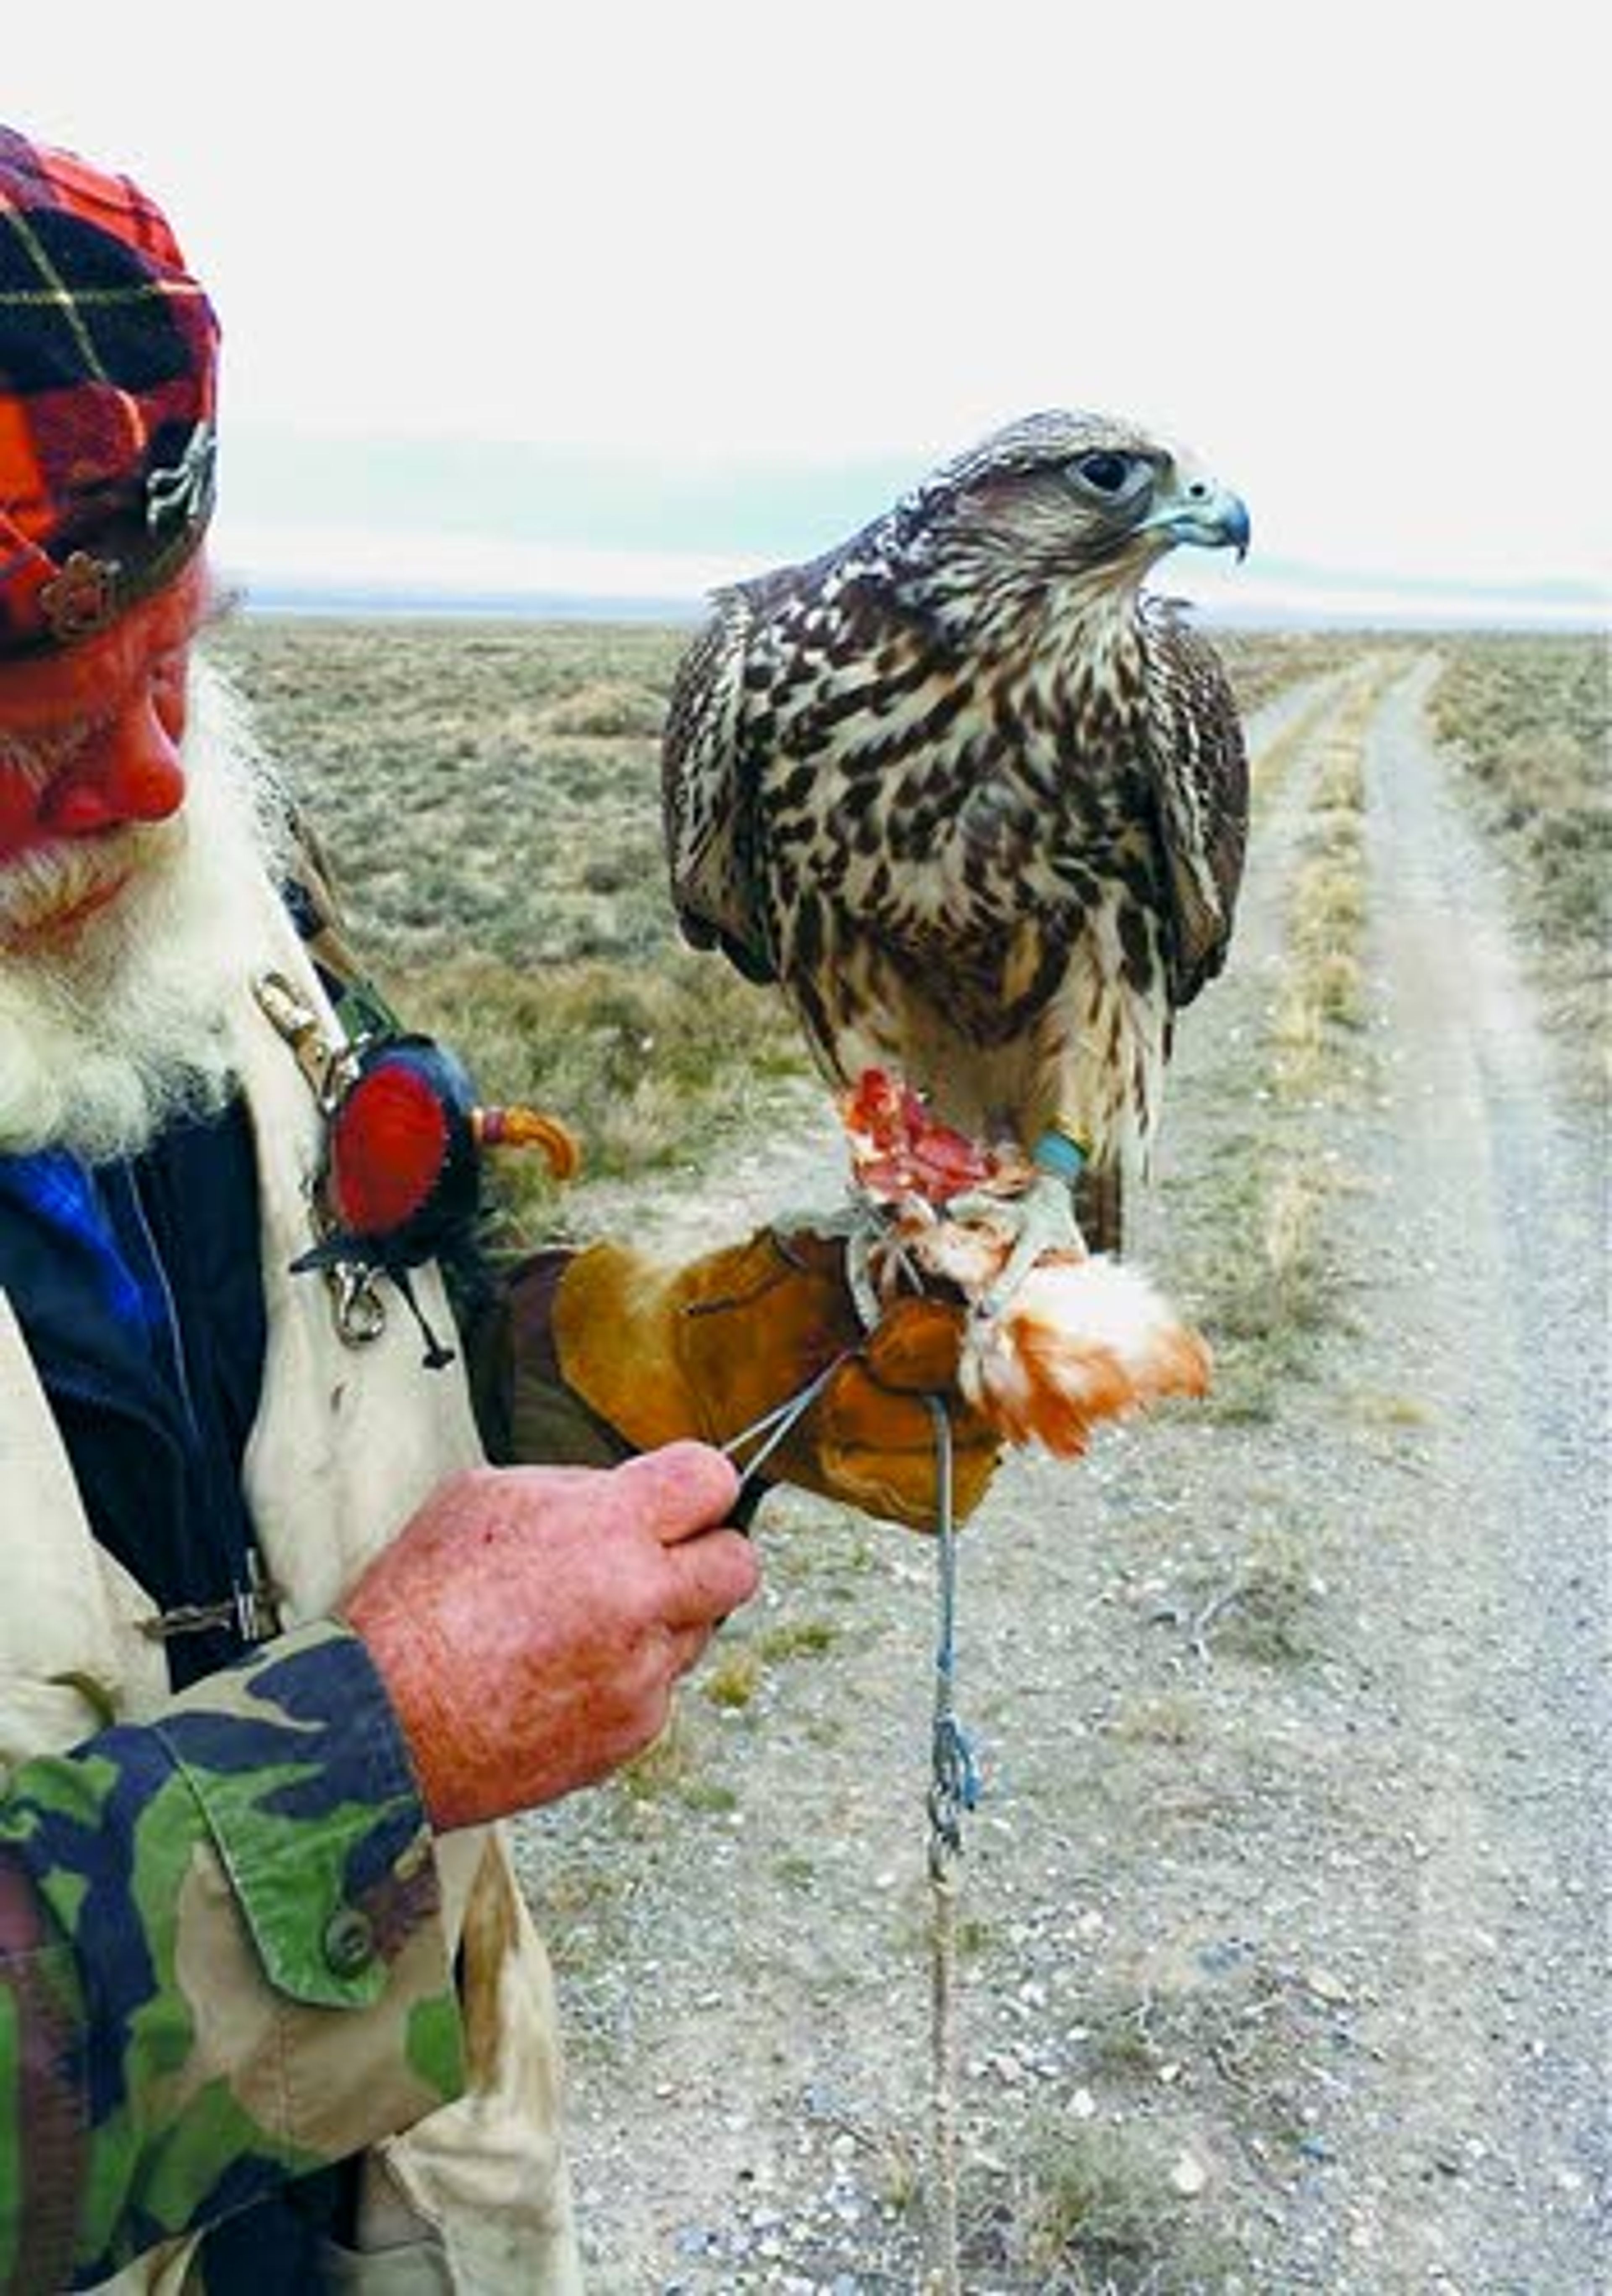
x: 1105, y: 473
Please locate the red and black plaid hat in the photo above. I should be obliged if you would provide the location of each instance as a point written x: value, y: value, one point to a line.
x: 108, y: 376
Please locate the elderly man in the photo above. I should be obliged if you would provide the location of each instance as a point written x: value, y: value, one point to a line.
x: 277, y: 1645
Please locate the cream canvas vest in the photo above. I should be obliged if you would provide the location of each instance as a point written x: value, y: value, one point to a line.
x: 348, y: 1441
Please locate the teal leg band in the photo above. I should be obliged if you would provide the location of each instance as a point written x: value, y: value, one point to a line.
x: 1058, y: 1153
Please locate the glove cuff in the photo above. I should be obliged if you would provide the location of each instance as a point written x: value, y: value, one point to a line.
x: 615, y: 1324
x: 527, y: 1410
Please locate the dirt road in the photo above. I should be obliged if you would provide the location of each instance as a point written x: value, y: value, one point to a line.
x: 1494, y: 1304
x: 1286, y: 1900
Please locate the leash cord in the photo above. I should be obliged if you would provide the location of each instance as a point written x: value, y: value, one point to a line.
x: 780, y: 1419
x: 954, y: 1788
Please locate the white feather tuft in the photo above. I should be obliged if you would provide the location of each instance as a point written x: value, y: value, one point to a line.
x: 1081, y: 1340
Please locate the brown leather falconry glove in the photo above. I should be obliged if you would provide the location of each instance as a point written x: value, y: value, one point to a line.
x: 709, y: 1347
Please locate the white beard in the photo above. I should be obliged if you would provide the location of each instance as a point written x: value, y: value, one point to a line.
x: 104, y: 1041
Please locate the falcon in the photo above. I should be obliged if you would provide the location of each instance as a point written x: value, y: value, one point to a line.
x: 975, y: 801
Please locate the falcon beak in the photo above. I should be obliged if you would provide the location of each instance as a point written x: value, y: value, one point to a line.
x: 1199, y: 509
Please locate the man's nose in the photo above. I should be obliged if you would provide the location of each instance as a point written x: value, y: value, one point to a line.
x: 130, y: 771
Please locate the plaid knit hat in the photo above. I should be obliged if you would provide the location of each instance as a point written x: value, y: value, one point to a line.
x: 108, y: 374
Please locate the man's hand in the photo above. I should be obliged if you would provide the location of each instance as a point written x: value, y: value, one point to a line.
x: 530, y: 1622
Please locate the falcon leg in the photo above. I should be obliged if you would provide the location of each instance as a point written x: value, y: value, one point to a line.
x: 1043, y: 1217
x: 1045, y: 1222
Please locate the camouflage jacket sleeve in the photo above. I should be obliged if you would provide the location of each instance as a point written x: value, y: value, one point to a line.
x: 221, y: 1964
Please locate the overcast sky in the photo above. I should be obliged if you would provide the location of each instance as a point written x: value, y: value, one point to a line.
x: 1354, y: 254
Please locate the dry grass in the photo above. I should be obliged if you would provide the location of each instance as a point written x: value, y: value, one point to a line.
x: 675, y: 1769
x: 1336, y: 714
x: 484, y: 788
x: 1528, y: 718
x: 741, y: 1671
x: 1324, y: 990
x: 1165, y: 1719
x: 1268, y: 1611
x: 733, y: 1680
x: 1086, y: 2210
x: 1261, y: 663
x: 1272, y: 764
x: 654, y: 1068
x: 1267, y: 1283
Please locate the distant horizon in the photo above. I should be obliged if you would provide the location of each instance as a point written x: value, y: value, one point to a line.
x: 1342, y: 610
x: 442, y: 523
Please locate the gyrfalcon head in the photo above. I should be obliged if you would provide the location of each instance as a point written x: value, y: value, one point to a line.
x: 1058, y: 497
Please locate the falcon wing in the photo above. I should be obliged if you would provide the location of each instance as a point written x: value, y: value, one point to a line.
x: 708, y: 795
x: 1201, y: 781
